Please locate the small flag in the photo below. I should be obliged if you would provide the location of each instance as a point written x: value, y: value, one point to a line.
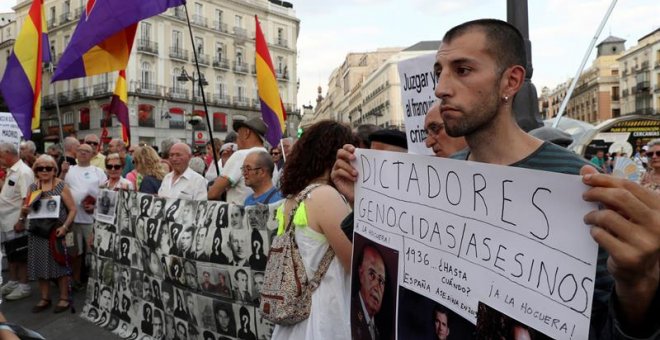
x: 272, y: 108
x: 33, y: 197
x: 119, y: 106
x: 21, y: 82
x: 104, y: 36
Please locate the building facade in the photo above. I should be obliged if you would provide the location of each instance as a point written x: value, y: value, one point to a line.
x: 640, y: 76
x: 161, y: 75
x: 366, y: 88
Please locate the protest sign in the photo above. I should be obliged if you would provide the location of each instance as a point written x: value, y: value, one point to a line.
x: 417, y: 95
x: 446, y: 239
x: 9, y: 130
x: 175, y: 268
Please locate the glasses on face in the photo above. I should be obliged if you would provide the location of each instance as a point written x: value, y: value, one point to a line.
x: 373, y: 276
x: 434, y: 128
x: 650, y: 154
x: 92, y: 143
x: 248, y: 169
x: 44, y: 168
x: 113, y: 166
x: 275, y: 153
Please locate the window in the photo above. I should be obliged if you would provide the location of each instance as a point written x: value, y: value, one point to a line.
x: 199, y: 9
x: 238, y: 21
x: 145, y: 31
x: 615, y: 93
x: 199, y: 45
x: 219, y: 122
x: 65, y: 7
x: 280, y: 64
x: 280, y: 35
x: 146, y: 80
x: 220, y: 87
x: 177, y: 40
x: 177, y: 86
x: 239, y: 56
x: 53, y: 13
x: 146, y: 115
x: 218, y: 16
x: 240, y: 91
x: 219, y: 50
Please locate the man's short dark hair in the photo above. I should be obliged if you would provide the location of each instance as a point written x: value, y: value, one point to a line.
x: 364, y: 131
x: 505, y: 43
x: 240, y: 271
x: 440, y: 309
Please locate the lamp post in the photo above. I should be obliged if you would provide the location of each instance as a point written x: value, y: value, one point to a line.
x: 195, y: 79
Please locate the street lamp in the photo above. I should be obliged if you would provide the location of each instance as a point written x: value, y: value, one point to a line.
x: 195, y: 81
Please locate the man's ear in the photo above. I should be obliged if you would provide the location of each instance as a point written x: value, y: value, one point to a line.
x: 512, y: 80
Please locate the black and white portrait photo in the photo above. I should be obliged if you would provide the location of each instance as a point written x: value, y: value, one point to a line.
x: 236, y: 217
x: 106, y: 206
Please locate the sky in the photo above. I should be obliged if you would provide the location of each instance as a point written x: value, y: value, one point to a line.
x: 560, y: 31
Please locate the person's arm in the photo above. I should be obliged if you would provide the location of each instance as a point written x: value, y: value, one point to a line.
x: 220, y: 185
x: 67, y: 200
x: 343, y: 174
x: 325, y: 211
x: 628, y: 228
x: 6, y: 334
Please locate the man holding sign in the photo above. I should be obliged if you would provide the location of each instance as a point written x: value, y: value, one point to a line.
x: 480, y: 68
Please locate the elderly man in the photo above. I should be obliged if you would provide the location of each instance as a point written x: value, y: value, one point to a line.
x: 366, y: 305
x: 480, y: 67
x: 12, y: 227
x: 71, y: 145
x: 437, y: 138
x: 257, y: 173
x: 28, y: 152
x: 84, y: 181
x: 98, y: 159
x: 118, y: 146
x: 250, y: 138
x: 182, y: 182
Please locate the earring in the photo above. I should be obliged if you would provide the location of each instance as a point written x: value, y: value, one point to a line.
x: 506, y: 99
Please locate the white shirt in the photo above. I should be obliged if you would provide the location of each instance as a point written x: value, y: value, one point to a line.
x: 190, y: 185
x: 83, y: 182
x: 122, y: 183
x: 238, y: 191
x: 211, y: 173
x: 14, y: 190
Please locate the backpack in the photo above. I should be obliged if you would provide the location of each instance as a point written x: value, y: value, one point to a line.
x: 286, y: 295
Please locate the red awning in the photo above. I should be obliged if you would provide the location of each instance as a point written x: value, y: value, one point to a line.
x: 176, y: 110
x: 200, y: 113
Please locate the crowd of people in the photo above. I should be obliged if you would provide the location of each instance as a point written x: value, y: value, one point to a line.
x: 480, y: 66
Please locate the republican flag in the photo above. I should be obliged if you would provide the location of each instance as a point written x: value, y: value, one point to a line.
x: 118, y: 106
x: 272, y: 108
x: 21, y: 82
x: 104, y: 36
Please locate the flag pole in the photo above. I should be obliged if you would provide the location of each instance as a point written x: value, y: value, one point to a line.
x: 51, y: 68
x: 199, y: 81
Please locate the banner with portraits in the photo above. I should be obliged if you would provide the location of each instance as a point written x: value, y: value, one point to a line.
x: 447, y: 249
x: 178, y: 269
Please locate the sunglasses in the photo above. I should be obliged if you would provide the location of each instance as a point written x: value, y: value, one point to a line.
x: 113, y: 166
x: 92, y: 143
x: 44, y: 168
x: 650, y: 154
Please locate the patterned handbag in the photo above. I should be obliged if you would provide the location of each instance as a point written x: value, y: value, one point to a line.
x: 286, y: 295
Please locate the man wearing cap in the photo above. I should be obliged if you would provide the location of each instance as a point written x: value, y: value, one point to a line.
x: 249, y: 138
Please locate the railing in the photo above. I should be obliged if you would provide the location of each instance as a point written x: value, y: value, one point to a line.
x: 78, y: 94
x: 284, y: 74
x: 179, y: 13
x: 241, y: 67
x: 199, y: 20
x: 624, y: 93
x: 177, y: 124
x: 178, y: 53
x: 221, y: 98
x: 203, y: 59
x: 240, y: 32
x: 147, y: 46
x: 256, y: 103
x: 178, y: 93
x: 101, y: 88
x: 65, y: 17
x: 50, y: 23
x: 240, y: 101
x: 147, y: 88
x: 645, y: 65
x: 656, y: 88
x: 48, y: 100
x: 220, y: 26
x: 281, y: 42
x: 77, y: 13
x: 221, y: 63
x: 643, y: 85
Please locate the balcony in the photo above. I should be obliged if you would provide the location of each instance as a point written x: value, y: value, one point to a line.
x: 48, y: 100
x: 220, y: 26
x: 50, y: 23
x: 256, y: 103
x: 101, y: 89
x: 199, y: 20
x: 147, y: 46
x: 254, y: 69
x: 221, y: 98
x: 281, y: 42
x: 179, y: 13
x: 177, y: 124
x: 77, y: 13
x: 203, y: 59
x: 656, y: 88
x: 645, y: 66
x: 657, y: 64
x: 178, y: 93
x: 147, y: 88
x: 65, y: 17
x: 240, y: 32
x: 240, y: 101
x: 624, y: 73
x: 78, y: 94
x: 282, y: 74
x: 221, y: 63
x: 178, y: 53
x: 643, y: 86
x: 240, y: 67
x: 644, y: 111
x: 198, y: 96
x: 624, y: 93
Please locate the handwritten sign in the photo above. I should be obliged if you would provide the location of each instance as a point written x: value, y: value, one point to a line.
x: 469, y: 233
x: 9, y: 130
x: 417, y: 85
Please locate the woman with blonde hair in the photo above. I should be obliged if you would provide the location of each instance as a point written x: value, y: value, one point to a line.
x: 114, y: 165
x: 149, y: 170
x: 42, y: 265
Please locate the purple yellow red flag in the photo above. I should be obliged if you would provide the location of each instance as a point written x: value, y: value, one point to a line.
x: 119, y: 106
x: 104, y: 36
x: 21, y: 82
x: 272, y: 108
x: 34, y: 196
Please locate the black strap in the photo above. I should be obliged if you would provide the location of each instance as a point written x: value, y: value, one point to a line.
x: 267, y: 200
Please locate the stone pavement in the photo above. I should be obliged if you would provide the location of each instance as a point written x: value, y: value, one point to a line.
x: 50, y: 325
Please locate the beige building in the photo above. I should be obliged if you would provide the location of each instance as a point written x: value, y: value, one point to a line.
x: 161, y: 100
x: 7, y: 37
x: 640, y: 76
x: 366, y: 88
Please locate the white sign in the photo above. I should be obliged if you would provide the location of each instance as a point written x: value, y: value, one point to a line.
x: 417, y: 95
x: 9, y: 130
x: 472, y: 236
x: 201, y: 136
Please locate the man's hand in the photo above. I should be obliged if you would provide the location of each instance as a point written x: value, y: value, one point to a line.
x: 19, y: 226
x: 628, y: 227
x: 343, y: 174
x: 88, y: 207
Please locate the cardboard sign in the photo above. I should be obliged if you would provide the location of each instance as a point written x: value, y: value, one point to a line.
x: 9, y: 130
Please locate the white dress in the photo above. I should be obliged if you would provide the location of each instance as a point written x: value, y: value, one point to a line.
x: 330, y: 313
